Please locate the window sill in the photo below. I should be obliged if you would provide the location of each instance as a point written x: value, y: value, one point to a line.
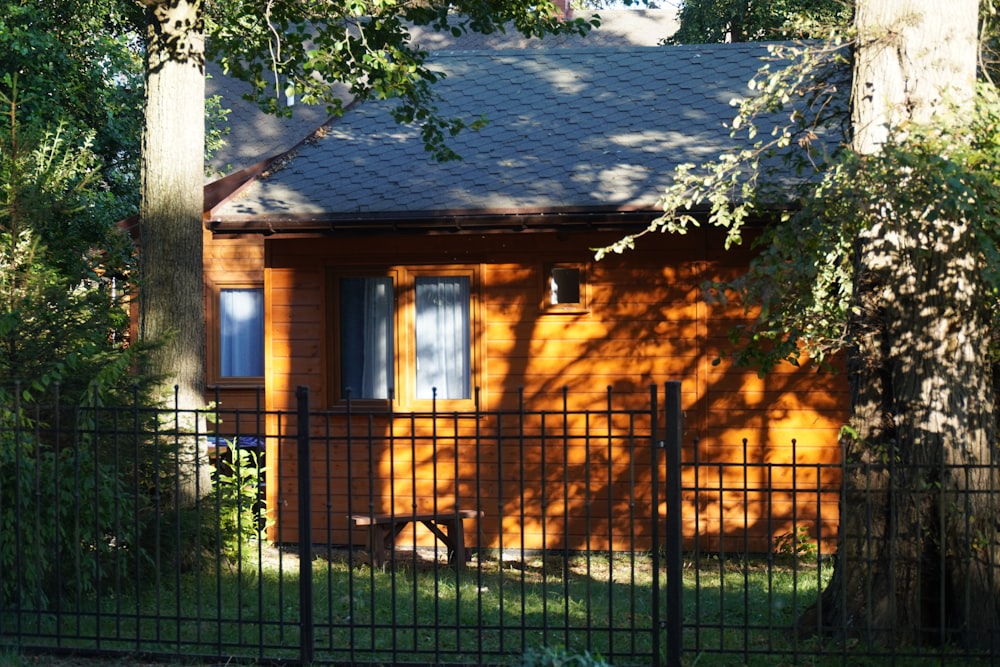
x: 236, y: 383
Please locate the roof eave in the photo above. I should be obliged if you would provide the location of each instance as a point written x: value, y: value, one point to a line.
x: 478, y: 221
x: 436, y: 222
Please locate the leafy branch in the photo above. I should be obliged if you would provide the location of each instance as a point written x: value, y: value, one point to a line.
x: 366, y: 45
x: 794, y: 158
x: 787, y: 127
x: 789, y: 135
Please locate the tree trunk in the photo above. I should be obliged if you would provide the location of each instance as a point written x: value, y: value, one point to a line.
x: 738, y: 21
x: 918, y: 536
x: 912, y: 55
x: 171, y: 288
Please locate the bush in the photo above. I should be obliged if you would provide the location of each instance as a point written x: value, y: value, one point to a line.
x: 216, y: 529
x: 239, y: 516
x: 69, y: 522
x: 560, y: 657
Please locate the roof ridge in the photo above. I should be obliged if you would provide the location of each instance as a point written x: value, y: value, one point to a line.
x: 449, y: 53
x: 600, y: 48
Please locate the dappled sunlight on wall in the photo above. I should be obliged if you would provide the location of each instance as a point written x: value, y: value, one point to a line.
x: 550, y: 453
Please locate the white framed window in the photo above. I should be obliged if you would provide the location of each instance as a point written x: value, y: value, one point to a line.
x: 443, y: 342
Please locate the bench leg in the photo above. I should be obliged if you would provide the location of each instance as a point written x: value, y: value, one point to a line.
x: 382, y: 540
x: 456, y: 541
x: 376, y: 544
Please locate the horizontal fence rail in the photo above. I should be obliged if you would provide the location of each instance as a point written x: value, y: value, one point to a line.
x: 359, y: 536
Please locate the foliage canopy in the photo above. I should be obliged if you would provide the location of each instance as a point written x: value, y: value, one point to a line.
x: 62, y: 318
x: 299, y: 50
x: 710, y: 21
x: 78, y: 67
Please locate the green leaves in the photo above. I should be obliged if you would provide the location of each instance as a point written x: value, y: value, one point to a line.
x: 787, y: 156
x: 78, y: 66
x: 365, y: 46
x: 236, y: 496
x: 62, y: 320
x: 61, y: 510
x: 710, y: 21
x: 798, y: 289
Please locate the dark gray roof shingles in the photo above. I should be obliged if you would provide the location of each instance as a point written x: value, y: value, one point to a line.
x: 568, y: 129
x: 254, y: 135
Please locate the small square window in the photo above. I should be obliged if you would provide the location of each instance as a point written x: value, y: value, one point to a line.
x: 564, y: 286
x: 565, y: 289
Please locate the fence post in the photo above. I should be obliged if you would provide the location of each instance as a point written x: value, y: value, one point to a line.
x: 674, y: 546
x: 306, y: 647
x: 658, y: 444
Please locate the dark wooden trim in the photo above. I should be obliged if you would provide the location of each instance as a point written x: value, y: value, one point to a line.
x: 452, y: 222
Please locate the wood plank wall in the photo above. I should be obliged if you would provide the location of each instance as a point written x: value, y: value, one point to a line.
x: 645, y: 322
x: 231, y: 262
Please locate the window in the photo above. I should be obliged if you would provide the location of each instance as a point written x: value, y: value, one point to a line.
x: 441, y: 331
x: 565, y: 289
x: 404, y: 334
x: 241, y: 333
x: 366, y: 337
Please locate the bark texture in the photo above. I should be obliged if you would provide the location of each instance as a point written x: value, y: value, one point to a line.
x: 918, y: 554
x: 171, y: 299
x: 911, y: 56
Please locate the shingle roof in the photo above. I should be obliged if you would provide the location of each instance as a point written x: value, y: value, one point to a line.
x: 255, y: 135
x: 568, y: 130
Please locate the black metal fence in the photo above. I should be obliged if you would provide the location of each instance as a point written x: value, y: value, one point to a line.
x: 433, y: 538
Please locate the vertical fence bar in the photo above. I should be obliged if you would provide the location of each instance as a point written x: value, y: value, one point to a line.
x: 306, y: 644
x: 674, y: 550
x: 658, y: 445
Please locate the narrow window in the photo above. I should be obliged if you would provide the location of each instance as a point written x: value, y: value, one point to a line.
x: 442, y: 330
x: 241, y: 333
x: 366, y: 337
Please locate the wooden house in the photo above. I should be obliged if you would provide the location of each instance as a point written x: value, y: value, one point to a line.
x: 400, y: 290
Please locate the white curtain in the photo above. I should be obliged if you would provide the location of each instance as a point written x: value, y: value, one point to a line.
x: 241, y: 329
x: 442, y: 337
x: 366, y: 340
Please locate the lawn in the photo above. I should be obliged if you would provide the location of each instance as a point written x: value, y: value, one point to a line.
x: 419, y: 610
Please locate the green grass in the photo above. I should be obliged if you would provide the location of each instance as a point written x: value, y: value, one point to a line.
x: 421, y: 611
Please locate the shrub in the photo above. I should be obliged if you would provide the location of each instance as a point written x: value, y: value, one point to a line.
x: 236, y: 492
x: 560, y: 657
x: 69, y: 521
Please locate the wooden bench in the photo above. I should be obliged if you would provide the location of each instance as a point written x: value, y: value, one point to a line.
x: 446, y: 526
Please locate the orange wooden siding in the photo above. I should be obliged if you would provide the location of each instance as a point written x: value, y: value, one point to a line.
x: 645, y: 321
x: 231, y: 262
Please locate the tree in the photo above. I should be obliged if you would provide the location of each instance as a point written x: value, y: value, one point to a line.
x: 279, y: 45
x: 923, y: 430
x: 62, y: 352
x: 170, y: 235
x: 893, y: 256
x: 61, y: 310
x: 77, y: 66
x: 708, y: 21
